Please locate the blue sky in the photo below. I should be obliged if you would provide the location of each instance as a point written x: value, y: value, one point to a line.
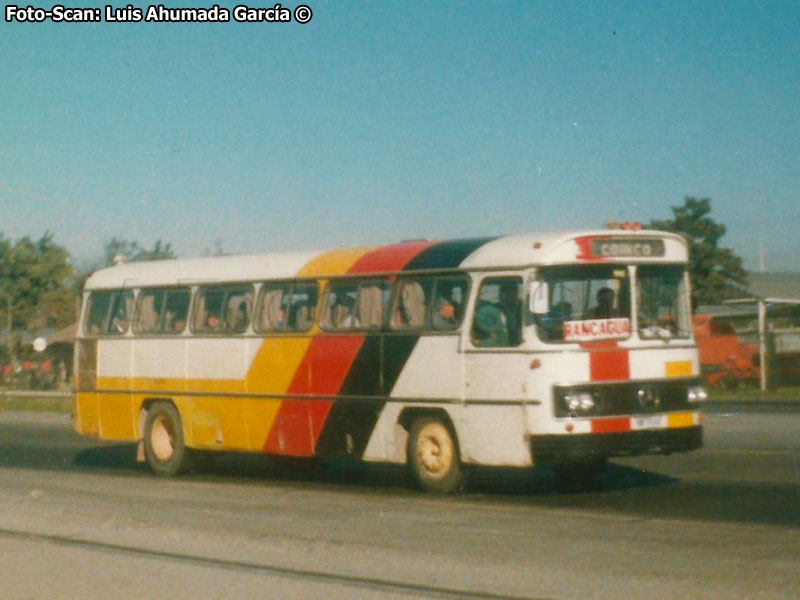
x: 388, y: 120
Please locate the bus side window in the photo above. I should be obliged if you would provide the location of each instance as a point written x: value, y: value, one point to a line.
x: 223, y: 309
x: 339, y: 306
x: 354, y: 305
x: 449, y: 299
x: 238, y: 307
x: 303, y: 305
x: 208, y: 310
x: 286, y: 306
x: 271, y: 311
x: 97, y: 312
x: 176, y: 309
x: 410, y: 310
x: 121, y: 313
x: 372, y: 300
x: 148, y: 311
x: 109, y: 312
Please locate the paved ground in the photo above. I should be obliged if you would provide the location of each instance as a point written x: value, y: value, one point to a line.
x: 81, y: 519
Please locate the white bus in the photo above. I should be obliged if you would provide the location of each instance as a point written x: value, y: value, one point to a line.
x: 562, y: 348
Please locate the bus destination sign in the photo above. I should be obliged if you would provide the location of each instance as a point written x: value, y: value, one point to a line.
x: 627, y: 248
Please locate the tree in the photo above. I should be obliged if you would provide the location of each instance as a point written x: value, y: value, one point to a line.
x: 34, y: 286
x: 131, y: 251
x: 714, y: 270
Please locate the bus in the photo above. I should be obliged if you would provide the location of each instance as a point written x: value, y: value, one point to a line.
x: 555, y: 348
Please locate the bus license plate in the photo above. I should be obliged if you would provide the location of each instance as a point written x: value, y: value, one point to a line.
x: 650, y: 422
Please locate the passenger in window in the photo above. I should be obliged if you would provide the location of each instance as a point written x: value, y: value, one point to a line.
x: 490, y: 328
x: 239, y: 317
x: 342, y: 316
x: 303, y: 316
x: 448, y: 311
x: 605, y: 305
x: 498, y: 323
x: 212, y: 322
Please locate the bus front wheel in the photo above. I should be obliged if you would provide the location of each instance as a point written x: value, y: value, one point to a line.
x: 434, y: 458
x: 164, y: 448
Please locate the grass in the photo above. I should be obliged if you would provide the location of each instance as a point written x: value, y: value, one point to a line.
x: 748, y: 392
x: 38, y: 403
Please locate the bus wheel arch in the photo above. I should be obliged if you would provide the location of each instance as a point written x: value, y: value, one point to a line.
x: 164, y: 443
x: 432, y: 451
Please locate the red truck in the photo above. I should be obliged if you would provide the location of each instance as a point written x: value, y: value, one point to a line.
x: 724, y: 359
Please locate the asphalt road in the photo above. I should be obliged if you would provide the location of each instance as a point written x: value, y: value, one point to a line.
x: 79, y: 518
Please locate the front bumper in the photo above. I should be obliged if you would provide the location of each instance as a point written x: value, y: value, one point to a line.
x: 587, y: 447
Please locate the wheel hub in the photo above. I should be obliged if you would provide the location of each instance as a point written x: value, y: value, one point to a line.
x: 435, y: 453
x: 161, y: 439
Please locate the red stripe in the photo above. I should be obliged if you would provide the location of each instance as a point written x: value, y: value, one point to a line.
x: 389, y: 258
x: 321, y: 373
x: 585, y: 247
x: 609, y: 365
x: 611, y: 425
x: 325, y: 366
x: 607, y: 361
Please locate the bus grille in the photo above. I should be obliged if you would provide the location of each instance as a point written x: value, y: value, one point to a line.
x: 633, y: 397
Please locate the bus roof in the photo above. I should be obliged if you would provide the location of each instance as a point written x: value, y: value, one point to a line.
x: 505, y: 252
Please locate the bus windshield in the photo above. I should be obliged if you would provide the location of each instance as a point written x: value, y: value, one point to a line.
x: 662, y: 301
x: 585, y: 303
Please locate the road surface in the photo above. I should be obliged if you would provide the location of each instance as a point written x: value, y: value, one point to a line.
x: 80, y: 519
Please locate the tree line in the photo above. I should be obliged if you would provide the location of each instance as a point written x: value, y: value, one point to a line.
x: 41, y: 287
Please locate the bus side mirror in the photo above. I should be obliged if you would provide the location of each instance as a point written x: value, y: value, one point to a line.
x: 539, y: 294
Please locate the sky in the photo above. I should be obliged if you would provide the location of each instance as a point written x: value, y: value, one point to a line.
x: 388, y: 120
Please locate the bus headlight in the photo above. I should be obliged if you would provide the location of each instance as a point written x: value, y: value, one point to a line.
x: 579, y: 402
x: 696, y: 394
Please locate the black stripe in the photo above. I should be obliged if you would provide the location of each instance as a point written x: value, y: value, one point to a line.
x: 351, y: 421
x: 446, y: 255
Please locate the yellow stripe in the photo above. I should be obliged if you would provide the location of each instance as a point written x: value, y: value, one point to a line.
x: 335, y: 262
x: 272, y: 371
x: 678, y: 368
x: 676, y: 420
x: 86, y: 419
x: 278, y: 359
x: 232, y: 422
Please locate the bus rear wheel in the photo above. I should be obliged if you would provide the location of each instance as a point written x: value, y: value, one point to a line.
x: 164, y: 447
x: 434, y: 457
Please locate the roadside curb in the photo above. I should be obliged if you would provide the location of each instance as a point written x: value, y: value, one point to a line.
x: 752, y: 405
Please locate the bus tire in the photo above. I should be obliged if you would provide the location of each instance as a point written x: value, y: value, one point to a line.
x: 434, y: 458
x: 164, y: 447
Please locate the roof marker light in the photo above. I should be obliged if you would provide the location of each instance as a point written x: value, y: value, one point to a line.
x: 624, y: 225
